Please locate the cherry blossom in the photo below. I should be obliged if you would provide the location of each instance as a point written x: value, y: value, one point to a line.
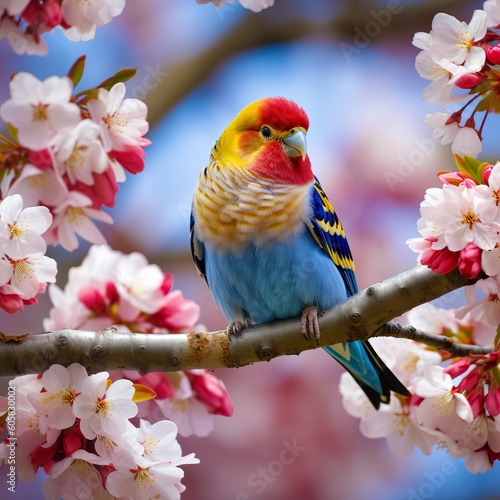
x: 442, y: 407
x: 80, y: 153
x: 467, y: 142
x: 492, y: 8
x: 154, y: 471
x: 461, y: 220
x: 83, y: 17
x: 74, y: 217
x: 67, y: 477
x: 140, y: 284
x: 62, y: 385
x: 455, y: 41
x: 444, y: 75
x: 122, y: 121
x: 39, y: 110
x: 104, y: 410
x: 20, y: 233
x: 38, y: 186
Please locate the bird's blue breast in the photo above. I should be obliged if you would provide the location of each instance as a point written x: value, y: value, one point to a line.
x: 273, y: 281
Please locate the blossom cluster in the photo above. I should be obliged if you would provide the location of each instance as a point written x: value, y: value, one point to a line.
x: 25, y: 270
x: 70, y: 152
x: 455, y: 406
x: 23, y: 22
x: 111, y: 289
x: 78, y: 429
x: 464, y: 56
x: 253, y: 5
x: 460, y: 227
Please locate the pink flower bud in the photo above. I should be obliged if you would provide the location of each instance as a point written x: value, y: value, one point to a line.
x: 131, y: 158
x: 73, y: 440
x: 167, y: 283
x: 492, y: 400
x: 486, y: 174
x: 111, y: 292
x: 469, y: 264
x: 11, y: 303
x: 41, y: 159
x: 457, y: 179
x: 469, y: 80
x: 212, y: 393
x: 492, y: 53
x: 42, y: 456
x: 470, y: 381
x: 476, y: 401
x: 48, y: 14
x: 92, y: 299
x: 458, y: 367
x: 440, y: 261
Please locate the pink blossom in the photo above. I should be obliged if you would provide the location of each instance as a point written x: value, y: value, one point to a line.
x: 20, y: 233
x: 104, y: 410
x: 462, y: 219
x: 492, y: 9
x: 442, y: 408
x: 122, y: 121
x: 83, y: 17
x: 79, y: 153
x: 74, y: 217
x: 39, y: 186
x: 39, y: 110
x: 454, y: 40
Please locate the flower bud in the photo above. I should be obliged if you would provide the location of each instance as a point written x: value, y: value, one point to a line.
x: 458, y: 367
x: 469, y: 80
x: 492, y: 400
x: 212, y: 393
x: 492, y: 53
x: 486, y: 174
x: 440, y: 261
x: 469, y: 264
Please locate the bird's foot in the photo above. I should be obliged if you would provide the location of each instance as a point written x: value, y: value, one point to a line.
x: 309, y: 325
x: 237, y: 326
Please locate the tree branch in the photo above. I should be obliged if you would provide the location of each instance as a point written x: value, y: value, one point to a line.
x: 438, y: 341
x: 358, y: 318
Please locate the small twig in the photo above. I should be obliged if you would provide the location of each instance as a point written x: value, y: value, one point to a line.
x: 437, y: 341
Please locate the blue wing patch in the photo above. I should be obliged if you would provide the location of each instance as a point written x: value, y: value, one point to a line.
x: 328, y: 232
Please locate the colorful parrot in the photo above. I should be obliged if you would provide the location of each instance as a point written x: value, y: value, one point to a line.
x: 267, y: 240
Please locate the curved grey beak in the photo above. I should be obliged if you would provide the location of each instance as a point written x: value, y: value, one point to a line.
x: 295, y: 144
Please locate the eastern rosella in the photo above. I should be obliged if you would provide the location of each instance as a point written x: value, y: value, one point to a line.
x: 267, y: 240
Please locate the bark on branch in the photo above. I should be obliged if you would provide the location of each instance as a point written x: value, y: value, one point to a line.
x: 364, y: 315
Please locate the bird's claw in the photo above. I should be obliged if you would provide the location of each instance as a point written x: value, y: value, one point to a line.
x: 309, y: 325
x: 237, y: 326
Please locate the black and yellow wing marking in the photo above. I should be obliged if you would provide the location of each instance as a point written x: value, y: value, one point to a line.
x: 328, y: 232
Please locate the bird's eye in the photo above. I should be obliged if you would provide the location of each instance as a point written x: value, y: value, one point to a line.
x: 266, y: 132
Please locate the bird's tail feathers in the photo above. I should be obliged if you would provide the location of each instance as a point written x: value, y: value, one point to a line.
x: 369, y: 371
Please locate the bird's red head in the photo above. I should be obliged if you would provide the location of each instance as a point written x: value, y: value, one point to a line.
x: 268, y: 138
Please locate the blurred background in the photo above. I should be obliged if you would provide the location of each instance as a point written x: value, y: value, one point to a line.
x: 350, y: 64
